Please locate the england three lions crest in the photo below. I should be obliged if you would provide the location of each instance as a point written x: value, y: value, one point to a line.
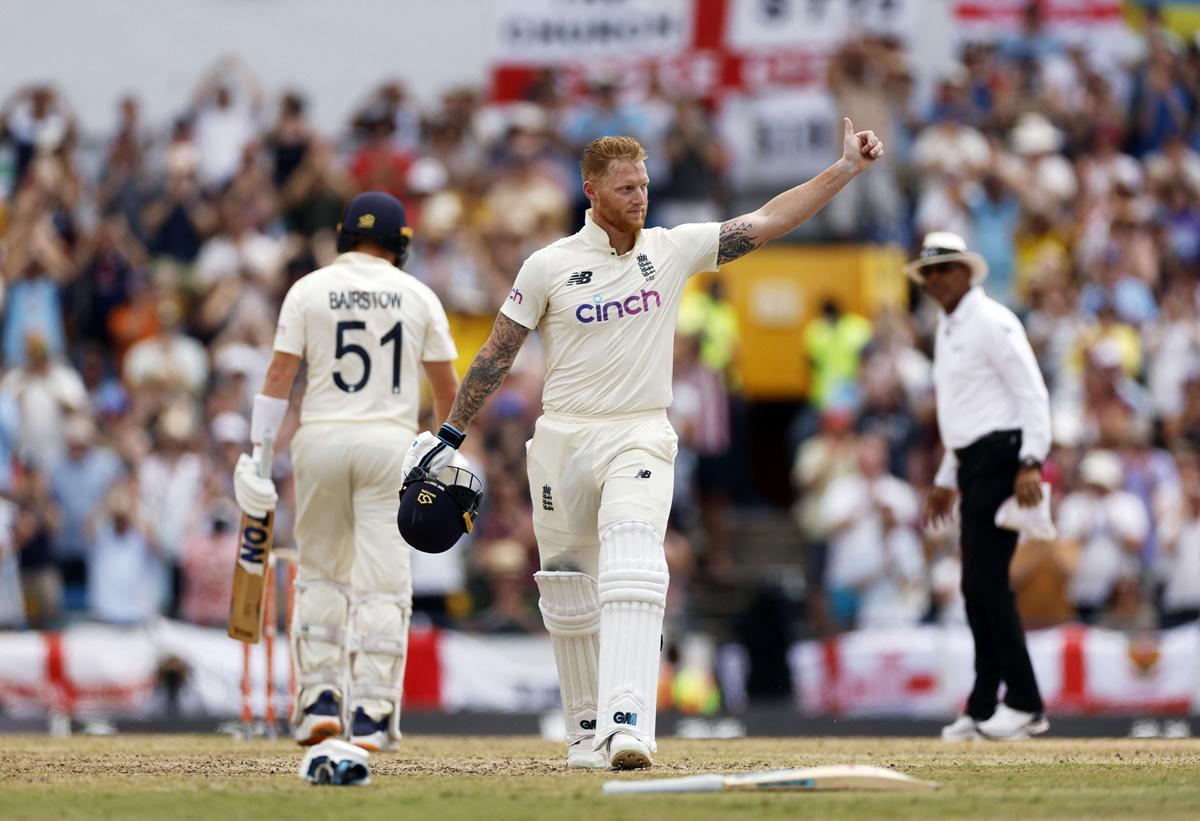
x: 646, y: 266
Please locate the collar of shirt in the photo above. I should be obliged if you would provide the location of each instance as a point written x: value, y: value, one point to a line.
x: 359, y: 258
x: 965, y: 307
x: 594, y: 235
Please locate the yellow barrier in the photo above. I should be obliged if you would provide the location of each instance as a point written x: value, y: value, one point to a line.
x: 777, y: 289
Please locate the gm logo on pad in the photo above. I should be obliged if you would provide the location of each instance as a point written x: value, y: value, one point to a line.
x: 625, y: 718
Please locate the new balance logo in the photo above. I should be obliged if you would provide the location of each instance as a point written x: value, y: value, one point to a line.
x: 643, y: 474
x: 587, y: 724
x: 547, y: 499
x: 646, y: 266
x: 625, y: 718
x: 581, y: 278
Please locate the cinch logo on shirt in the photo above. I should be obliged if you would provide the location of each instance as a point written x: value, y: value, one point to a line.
x: 600, y: 311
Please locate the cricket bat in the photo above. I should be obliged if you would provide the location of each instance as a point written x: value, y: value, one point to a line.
x: 831, y: 777
x: 255, y: 535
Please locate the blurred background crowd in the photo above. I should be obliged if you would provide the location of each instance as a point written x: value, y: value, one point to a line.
x: 142, y: 273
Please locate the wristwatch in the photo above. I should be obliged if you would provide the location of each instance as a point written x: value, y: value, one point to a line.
x: 1030, y: 462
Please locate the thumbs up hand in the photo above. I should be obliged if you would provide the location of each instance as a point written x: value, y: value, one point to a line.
x: 861, y: 148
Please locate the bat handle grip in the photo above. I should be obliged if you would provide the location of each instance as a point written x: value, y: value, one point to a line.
x: 265, y: 454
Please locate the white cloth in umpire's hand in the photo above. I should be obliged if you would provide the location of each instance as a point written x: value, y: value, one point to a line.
x: 255, y: 495
x: 425, y: 444
x: 1031, y: 522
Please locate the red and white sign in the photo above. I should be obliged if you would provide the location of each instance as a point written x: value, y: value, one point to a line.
x: 910, y: 672
x: 1100, y: 24
x: 823, y: 24
x: 549, y: 32
x: 707, y: 47
x: 928, y: 671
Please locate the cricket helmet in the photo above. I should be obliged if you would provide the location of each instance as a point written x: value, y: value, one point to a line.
x: 435, y: 511
x: 379, y: 217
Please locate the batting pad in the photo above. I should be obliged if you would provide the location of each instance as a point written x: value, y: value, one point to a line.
x: 633, y: 596
x: 378, y: 654
x: 319, y: 640
x: 570, y: 606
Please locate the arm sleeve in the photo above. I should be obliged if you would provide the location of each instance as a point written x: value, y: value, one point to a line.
x: 1128, y: 516
x: 74, y: 392
x: 1013, y: 358
x: 438, y: 345
x: 289, y: 332
x: 697, y: 243
x: 530, y: 294
x: 1072, y: 518
x: 947, y: 472
x: 839, y: 504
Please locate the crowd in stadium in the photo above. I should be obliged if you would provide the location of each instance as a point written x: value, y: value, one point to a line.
x: 139, y: 307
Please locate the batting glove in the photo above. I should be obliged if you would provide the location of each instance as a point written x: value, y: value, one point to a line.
x: 432, y: 453
x: 255, y: 495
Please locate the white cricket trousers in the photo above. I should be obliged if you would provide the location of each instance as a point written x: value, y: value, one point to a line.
x: 355, y: 580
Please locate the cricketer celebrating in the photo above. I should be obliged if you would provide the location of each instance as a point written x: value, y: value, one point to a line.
x: 601, y: 459
x: 362, y: 326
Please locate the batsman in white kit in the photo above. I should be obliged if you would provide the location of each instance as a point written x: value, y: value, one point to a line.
x: 365, y: 329
x: 600, y: 463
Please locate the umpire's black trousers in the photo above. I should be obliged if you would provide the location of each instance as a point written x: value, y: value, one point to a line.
x: 987, y: 469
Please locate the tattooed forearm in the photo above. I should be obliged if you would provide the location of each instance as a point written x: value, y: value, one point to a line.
x: 488, y: 370
x: 735, y: 241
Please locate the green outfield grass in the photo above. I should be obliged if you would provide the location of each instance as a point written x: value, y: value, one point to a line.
x: 500, y: 779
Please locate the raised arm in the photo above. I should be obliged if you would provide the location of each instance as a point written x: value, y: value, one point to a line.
x: 785, y: 212
x: 488, y: 370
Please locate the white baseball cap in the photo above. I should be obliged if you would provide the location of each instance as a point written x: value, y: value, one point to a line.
x: 1103, y: 468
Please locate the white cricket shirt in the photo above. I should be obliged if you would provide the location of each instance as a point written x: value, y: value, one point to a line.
x: 607, y: 320
x: 363, y: 327
x: 986, y: 379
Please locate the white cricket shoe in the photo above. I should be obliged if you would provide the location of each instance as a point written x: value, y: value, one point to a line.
x: 320, y: 720
x: 581, y: 756
x: 1007, y: 724
x: 628, y: 753
x: 368, y: 733
x: 963, y: 729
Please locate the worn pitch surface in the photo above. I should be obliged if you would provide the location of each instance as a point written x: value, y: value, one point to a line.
x: 497, y: 779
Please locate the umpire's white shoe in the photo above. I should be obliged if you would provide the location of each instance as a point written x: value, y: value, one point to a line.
x: 628, y: 753
x: 581, y: 756
x: 1007, y: 724
x: 319, y: 721
x: 963, y: 729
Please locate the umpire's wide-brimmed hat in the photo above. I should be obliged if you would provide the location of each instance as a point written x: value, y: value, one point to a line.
x: 945, y: 246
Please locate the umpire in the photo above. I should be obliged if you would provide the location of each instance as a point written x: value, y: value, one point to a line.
x: 994, y: 415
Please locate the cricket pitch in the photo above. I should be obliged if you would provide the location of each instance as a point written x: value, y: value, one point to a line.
x: 179, y: 777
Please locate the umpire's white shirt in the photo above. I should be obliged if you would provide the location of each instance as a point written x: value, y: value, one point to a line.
x: 987, y: 379
x: 607, y: 320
